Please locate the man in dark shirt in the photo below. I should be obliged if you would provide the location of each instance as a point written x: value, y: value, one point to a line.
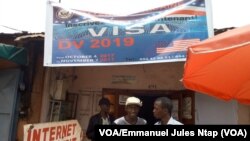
x: 102, y: 118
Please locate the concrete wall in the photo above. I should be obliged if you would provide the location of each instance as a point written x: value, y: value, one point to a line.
x: 165, y: 76
x: 243, y: 114
x: 209, y: 110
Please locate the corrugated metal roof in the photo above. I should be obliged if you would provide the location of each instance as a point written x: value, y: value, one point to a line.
x: 218, y: 31
x: 34, y: 35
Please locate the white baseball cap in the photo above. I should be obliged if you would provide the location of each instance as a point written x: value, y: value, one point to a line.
x: 133, y: 100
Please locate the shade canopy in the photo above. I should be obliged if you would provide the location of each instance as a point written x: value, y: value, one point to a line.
x: 13, y: 53
x: 220, y: 66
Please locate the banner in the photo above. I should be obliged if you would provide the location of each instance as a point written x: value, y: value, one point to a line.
x: 160, y: 33
x: 53, y: 131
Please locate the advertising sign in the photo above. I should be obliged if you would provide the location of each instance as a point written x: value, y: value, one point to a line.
x: 89, y: 37
x: 53, y: 131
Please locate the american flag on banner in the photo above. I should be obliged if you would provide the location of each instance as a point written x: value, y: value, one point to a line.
x: 178, y: 45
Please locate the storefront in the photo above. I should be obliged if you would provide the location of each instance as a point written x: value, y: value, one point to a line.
x: 82, y: 87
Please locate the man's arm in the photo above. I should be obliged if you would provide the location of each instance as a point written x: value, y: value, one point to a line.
x: 90, y: 130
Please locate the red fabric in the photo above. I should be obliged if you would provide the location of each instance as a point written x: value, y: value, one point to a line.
x: 220, y: 66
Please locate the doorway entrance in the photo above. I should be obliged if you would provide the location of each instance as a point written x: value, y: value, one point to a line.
x: 183, y: 103
x: 146, y: 110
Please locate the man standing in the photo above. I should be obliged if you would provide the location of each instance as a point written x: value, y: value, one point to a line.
x: 102, y: 118
x: 132, y: 108
x: 163, y: 110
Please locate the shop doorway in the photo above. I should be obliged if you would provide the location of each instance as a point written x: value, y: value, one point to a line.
x: 183, y: 102
x: 146, y: 110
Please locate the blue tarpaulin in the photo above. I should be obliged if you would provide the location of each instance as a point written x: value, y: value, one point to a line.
x: 12, y: 53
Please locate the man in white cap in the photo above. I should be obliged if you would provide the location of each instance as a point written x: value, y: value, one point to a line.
x: 132, y: 108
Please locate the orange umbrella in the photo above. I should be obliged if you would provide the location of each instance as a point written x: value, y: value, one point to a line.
x: 220, y: 66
